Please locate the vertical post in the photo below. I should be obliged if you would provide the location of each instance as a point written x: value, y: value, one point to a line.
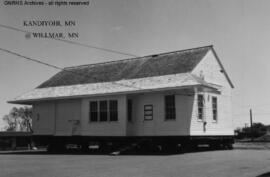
x: 251, y: 124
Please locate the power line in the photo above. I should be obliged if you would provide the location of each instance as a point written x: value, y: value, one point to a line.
x: 39, y: 62
x: 57, y: 67
x: 66, y: 41
x: 12, y: 28
x: 31, y: 59
x: 73, y: 42
x: 95, y: 47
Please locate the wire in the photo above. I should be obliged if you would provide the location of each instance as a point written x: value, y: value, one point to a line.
x: 35, y: 60
x: 56, y: 67
x: 28, y: 58
x: 95, y: 47
x: 12, y: 28
x: 73, y: 42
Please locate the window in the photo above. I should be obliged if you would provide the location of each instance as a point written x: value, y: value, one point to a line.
x: 103, y: 109
x: 169, y: 107
x: 113, y: 110
x: 93, y: 111
x: 148, y: 112
x: 214, y: 108
x: 129, y: 110
x: 200, y: 107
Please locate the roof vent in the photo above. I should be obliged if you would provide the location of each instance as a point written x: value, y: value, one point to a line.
x: 154, y: 55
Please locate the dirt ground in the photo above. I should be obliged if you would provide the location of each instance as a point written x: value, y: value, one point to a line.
x: 220, y: 163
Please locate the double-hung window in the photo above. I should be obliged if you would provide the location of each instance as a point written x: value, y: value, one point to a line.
x: 103, y: 109
x: 170, y: 107
x: 200, y: 102
x: 214, y: 108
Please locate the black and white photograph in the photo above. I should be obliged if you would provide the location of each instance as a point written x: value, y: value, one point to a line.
x: 134, y: 88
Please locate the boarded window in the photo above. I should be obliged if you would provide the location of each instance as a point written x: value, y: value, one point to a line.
x: 148, y: 112
x: 103, y: 109
x: 129, y: 110
x: 93, y: 111
x: 214, y: 108
x: 200, y: 107
x: 170, y: 107
x: 113, y: 110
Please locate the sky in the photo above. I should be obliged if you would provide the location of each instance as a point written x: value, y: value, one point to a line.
x: 239, y: 31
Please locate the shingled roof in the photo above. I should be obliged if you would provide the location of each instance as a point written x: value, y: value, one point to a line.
x: 182, y: 61
x: 140, y: 85
x: 150, y: 73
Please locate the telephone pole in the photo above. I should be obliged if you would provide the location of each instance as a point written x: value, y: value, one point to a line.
x: 251, y: 124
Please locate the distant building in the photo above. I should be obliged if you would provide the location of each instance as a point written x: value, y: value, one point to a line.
x: 185, y: 93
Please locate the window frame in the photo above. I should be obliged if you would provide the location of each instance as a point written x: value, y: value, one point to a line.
x: 103, y: 111
x: 200, y: 106
x: 214, y: 109
x: 96, y: 111
x: 170, y: 110
x: 113, y: 111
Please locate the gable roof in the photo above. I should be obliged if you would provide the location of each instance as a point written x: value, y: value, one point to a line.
x: 164, y: 71
x: 182, y: 61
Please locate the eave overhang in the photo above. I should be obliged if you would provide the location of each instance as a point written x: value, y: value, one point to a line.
x: 132, y: 86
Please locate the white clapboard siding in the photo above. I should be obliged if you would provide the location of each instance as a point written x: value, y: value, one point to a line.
x: 44, y: 118
x: 67, y: 112
x: 109, y: 128
x: 66, y: 117
x: 211, y: 71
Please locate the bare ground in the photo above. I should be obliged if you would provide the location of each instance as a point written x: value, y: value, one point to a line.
x: 195, y: 164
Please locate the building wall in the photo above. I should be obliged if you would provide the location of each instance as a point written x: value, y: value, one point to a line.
x: 67, y: 117
x: 109, y: 128
x: 71, y: 117
x: 159, y: 126
x: 59, y: 117
x: 211, y: 71
x: 44, y: 118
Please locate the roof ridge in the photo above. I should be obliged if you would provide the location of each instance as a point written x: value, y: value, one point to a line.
x: 136, y: 58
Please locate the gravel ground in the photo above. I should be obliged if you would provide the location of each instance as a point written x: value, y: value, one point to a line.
x: 196, y: 164
x: 252, y: 145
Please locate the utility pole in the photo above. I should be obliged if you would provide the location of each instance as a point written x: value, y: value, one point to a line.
x: 251, y: 124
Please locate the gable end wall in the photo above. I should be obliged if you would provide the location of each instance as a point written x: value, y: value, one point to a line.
x: 211, y: 71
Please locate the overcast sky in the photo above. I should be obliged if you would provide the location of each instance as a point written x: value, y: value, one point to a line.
x: 239, y: 31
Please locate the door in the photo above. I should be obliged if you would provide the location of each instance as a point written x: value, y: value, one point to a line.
x: 68, y: 116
